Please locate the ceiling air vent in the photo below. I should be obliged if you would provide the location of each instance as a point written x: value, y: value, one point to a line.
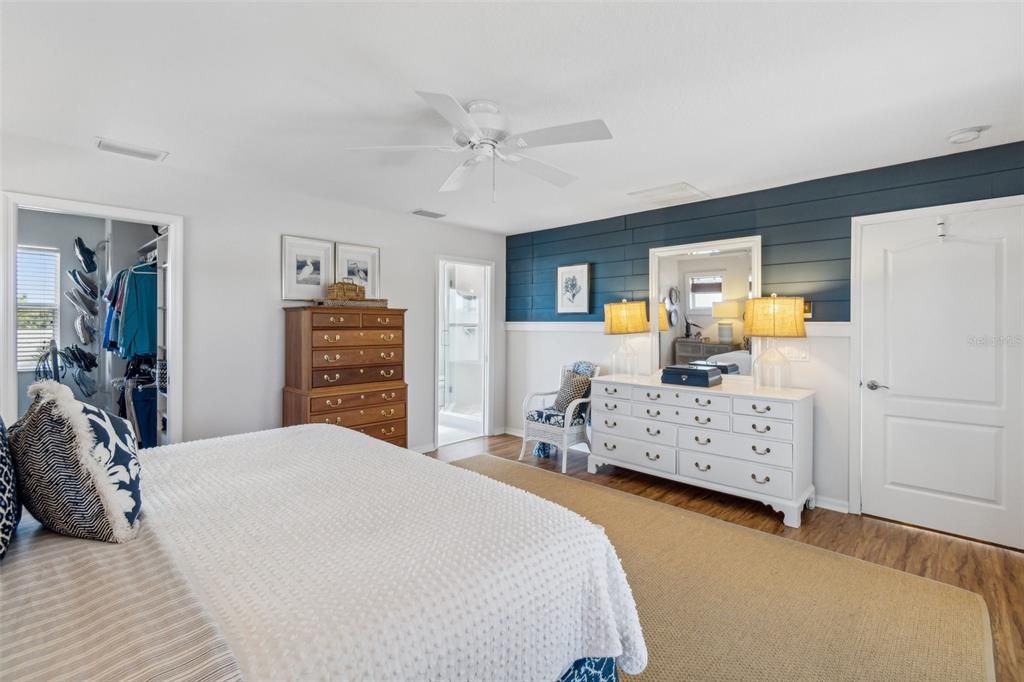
x: 670, y: 195
x: 424, y: 213
x: 131, y: 150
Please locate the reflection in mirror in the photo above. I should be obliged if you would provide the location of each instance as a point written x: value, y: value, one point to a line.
x: 706, y: 321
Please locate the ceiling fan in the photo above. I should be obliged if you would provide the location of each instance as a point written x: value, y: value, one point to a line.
x: 481, y: 128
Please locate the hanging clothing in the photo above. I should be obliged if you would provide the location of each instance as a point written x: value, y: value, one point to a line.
x: 130, y: 325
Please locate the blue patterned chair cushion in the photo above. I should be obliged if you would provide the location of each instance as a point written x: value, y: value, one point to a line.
x: 551, y: 417
x: 10, y: 508
x: 76, y: 467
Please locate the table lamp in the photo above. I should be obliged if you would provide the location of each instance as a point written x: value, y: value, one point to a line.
x: 774, y: 317
x: 624, y: 318
x: 728, y: 310
x: 662, y: 318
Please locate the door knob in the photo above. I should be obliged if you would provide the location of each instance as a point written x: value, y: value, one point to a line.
x: 874, y: 385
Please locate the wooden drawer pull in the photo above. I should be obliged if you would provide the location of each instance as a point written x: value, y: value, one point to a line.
x: 656, y: 396
x: 327, y: 337
x: 767, y: 408
x: 698, y: 441
x: 654, y: 458
x: 703, y: 403
x: 388, y: 432
x: 337, y: 420
x: 388, y: 413
x: 767, y: 428
x: 767, y: 451
x: 383, y: 320
x: 387, y: 356
x: 702, y: 468
x: 610, y: 425
x: 387, y: 372
x: 327, y: 358
x: 340, y: 319
x: 766, y: 479
x: 329, y: 380
x: 331, y: 403
x: 656, y: 432
x: 385, y: 396
x: 387, y: 337
x: 696, y: 418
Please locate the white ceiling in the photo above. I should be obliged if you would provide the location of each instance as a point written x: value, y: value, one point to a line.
x: 727, y: 97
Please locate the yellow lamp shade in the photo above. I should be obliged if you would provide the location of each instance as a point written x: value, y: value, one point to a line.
x: 662, y: 318
x: 775, y: 316
x: 726, y: 309
x: 627, y: 317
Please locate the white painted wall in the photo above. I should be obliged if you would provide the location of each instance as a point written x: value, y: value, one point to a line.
x: 536, y: 351
x: 234, y: 327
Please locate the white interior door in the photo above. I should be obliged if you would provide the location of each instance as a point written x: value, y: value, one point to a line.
x: 942, y: 342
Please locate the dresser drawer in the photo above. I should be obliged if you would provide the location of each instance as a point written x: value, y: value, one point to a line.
x: 762, y: 408
x: 759, y: 426
x: 385, y: 431
x: 331, y: 339
x: 356, y: 356
x: 606, y: 423
x: 733, y: 445
x: 387, y: 320
x: 355, y: 375
x: 683, y: 416
x: 400, y: 442
x: 650, y: 455
x: 335, y: 320
x: 350, y: 400
x: 611, y: 391
x: 663, y: 396
x: 361, y: 417
x: 611, y: 405
x: 736, y: 473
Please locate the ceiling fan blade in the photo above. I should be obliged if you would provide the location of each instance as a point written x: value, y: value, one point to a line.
x: 584, y: 131
x: 449, y: 107
x: 458, y: 177
x: 539, y: 169
x: 406, y: 148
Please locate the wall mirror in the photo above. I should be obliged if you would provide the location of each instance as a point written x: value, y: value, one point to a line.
x: 697, y: 295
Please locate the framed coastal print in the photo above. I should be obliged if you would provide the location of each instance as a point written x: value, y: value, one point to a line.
x: 361, y: 264
x: 573, y: 294
x: 307, y: 267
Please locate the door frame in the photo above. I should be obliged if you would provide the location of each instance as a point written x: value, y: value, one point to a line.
x: 857, y: 225
x: 12, y: 202
x: 486, y: 328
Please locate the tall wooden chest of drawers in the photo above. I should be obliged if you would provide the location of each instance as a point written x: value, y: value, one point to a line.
x: 346, y: 366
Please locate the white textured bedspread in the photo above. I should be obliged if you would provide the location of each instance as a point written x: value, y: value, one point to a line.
x: 323, y: 553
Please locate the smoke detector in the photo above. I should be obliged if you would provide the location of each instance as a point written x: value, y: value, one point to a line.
x: 132, y: 150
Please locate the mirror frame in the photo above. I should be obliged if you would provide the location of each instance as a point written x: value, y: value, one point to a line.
x: 752, y: 242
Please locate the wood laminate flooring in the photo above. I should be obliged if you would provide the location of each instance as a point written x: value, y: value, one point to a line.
x: 997, y: 574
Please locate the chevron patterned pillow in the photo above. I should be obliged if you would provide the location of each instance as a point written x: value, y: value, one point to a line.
x: 10, y: 508
x: 76, y: 467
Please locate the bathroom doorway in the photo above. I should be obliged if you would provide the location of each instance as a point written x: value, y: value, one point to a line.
x: 463, y: 325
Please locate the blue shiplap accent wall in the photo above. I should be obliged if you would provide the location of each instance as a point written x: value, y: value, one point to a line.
x: 804, y: 228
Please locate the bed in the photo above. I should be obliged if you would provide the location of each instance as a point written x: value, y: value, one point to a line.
x: 316, y: 552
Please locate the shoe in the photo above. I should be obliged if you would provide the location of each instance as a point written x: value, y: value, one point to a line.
x: 82, y: 303
x: 86, y: 384
x: 85, y: 283
x: 86, y: 255
x: 84, y: 330
x: 81, y: 357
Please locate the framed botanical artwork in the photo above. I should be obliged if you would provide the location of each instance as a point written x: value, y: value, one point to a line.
x: 307, y: 267
x: 573, y: 293
x: 361, y: 264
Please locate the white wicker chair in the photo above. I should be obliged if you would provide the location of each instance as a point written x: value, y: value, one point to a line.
x: 565, y: 436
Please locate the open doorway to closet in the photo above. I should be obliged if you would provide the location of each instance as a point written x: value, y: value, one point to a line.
x: 463, y: 342
x: 93, y: 301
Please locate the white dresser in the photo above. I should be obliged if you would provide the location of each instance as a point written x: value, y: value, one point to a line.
x: 730, y: 438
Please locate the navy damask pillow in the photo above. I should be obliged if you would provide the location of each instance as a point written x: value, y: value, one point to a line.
x: 76, y: 467
x: 10, y: 508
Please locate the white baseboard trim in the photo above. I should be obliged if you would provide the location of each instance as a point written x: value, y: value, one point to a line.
x: 833, y: 504
x: 423, y: 449
x: 518, y: 433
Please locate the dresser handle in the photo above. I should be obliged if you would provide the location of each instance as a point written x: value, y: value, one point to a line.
x: 609, y: 447
x: 340, y: 319
x: 706, y: 403
x: 387, y: 372
x: 330, y: 380
x: 613, y: 406
x: 384, y: 320
x: 767, y: 451
x: 327, y: 337
x: 337, y: 420
x: 698, y: 441
x: 767, y: 428
x: 656, y: 396
x: 610, y: 425
x: 655, y: 458
x: 330, y: 403
x: 656, y: 432
x: 388, y: 432
x: 696, y: 418
x: 387, y: 356
x: 766, y: 479
x: 327, y: 358
x: 767, y: 408
x: 702, y: 468
x: 388, y: 413
x: 657, y: 413
x: 387, y: 337
x: 610, y: 390
x: 385, y: 396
